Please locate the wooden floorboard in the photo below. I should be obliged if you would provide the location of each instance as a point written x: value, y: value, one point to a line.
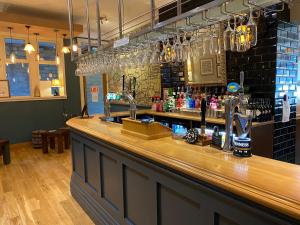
x: 35, y: 189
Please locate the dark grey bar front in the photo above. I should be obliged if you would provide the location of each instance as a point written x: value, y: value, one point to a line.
x: 117, y: 187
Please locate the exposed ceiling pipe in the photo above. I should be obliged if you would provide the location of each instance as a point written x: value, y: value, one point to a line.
x: 179, y: 11
x: 120, y: 14
x: 152, y: 4
x: 70, y: 11
x: 88, y: 26
x: 98, y: 23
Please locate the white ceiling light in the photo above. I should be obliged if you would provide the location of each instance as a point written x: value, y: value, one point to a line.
x: 65, y: 49
x: 28, y: 47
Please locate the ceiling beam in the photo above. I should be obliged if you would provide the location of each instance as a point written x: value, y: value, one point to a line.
x: 40, y: 25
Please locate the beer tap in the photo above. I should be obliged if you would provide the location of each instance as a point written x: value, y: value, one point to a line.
x: 125, y: 95
x: 230, y: 104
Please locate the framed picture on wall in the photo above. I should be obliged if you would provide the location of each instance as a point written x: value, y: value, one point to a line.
x: 4, y: 89
x: 207, y: 66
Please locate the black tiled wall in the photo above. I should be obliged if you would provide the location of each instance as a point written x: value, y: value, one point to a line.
x: 286, y: 81
x: 172, y: 75
x: 270, y: 71
x: 258, y: 63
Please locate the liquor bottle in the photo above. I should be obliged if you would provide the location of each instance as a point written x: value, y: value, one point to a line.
x: 154, y: 107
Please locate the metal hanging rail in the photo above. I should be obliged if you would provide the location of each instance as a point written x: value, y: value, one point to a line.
x: 88, y: 25
x: 98, y: 22
x: 149, y: 24
x: 70, y: 14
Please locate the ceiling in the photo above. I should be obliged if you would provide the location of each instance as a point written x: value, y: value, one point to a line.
x: 58, y: 9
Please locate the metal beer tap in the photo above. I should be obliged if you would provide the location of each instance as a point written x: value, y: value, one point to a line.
x: 125, y: 95
x: 230, y: 104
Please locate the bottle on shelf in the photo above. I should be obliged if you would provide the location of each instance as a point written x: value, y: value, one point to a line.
x: 153, y: 108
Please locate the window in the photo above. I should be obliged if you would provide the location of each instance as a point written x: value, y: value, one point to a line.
x: 18, y: 77
x: 298, y: 88
x: 49, y: 70
x: 16, y: 46
x: 29, y: 77
x: 47, y: 51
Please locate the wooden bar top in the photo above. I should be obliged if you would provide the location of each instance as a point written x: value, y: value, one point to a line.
x: 270, y: 183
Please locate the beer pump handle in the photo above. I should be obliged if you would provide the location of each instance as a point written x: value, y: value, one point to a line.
x: 123, y: 83
x: 242, y: 78
x: 203, y: 112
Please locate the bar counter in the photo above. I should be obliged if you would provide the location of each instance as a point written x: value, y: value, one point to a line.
x: 222, y: 188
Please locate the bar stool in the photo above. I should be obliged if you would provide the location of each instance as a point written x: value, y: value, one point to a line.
x: 4, y: 150
x: 37, y: 138
x: 65, y: 131
x: 51, y: 136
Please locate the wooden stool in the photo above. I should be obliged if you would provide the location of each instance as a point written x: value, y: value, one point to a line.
x: 66, y: 133
x: 45, y: 142
x: 4, y: 149
x: 51, y: 136
x: 37, y: 138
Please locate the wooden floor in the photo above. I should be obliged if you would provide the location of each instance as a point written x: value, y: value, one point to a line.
x: 34, y: 189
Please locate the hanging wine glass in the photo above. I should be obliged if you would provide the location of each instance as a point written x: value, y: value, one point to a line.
x: 227, y: 36
x: 252, y: 29
x: 200, y: 47
x: 233, y: 40
x: 186, y: 46
x: 167, y: 50
x: 214, y: 45
x: 206, y: 45
x: 177, y: 48
x: 242, y: 37
x: 155, y: 53
x: 219, y: 45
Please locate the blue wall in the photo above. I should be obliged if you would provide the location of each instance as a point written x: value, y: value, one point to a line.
x: 19, y: 119
x: 95, y: 107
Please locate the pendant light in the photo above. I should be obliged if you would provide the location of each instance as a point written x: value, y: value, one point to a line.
x: 65, y: 49
x: 75, y: 46
x: 12, y: 55
x: 38, y: 57
x: 57, y: 59
x: 29, y: 47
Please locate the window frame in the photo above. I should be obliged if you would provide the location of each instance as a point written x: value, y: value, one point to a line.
x: 34, y: 73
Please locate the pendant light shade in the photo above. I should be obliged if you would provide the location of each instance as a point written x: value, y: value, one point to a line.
x: 65, y: 49
x: 12, y: 55
x: 28, y: 47
x: 12, y: 58
x: 75, y: 46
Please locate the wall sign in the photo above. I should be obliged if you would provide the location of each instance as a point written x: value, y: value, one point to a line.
x: 233, y: 87
x: 95, y: 93
x: 4, y: 89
